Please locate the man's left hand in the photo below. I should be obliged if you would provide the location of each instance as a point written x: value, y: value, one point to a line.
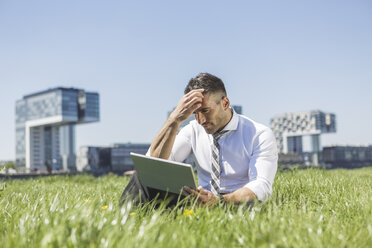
x: 205, y: 196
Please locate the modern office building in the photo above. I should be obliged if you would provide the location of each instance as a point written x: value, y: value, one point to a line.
x: 300, y: 132
x: 347, y: 156
x: 93, y: 159
x: 120, y: 155
x: 45, y: 127
x: 114, y: 158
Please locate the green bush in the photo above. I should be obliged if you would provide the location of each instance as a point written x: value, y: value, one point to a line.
x: 7, y: 165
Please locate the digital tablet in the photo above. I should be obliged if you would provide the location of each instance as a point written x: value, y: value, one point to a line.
x: 163, y: 174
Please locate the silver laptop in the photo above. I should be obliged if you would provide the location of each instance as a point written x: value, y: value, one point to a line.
x: 163, y: 174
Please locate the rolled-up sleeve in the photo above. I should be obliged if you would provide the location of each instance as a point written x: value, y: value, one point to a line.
x: 182, y: 146
x: 263, y: 165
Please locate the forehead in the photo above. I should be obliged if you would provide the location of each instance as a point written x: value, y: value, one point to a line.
x: 210, y: 100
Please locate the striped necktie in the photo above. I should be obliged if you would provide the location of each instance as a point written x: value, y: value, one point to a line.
x: 216, y: 167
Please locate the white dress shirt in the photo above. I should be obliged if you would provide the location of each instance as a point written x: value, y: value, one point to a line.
x: 248, y: 155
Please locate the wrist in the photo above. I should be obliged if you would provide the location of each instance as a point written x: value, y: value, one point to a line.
x: 173, y: 121
x: 174, y: 118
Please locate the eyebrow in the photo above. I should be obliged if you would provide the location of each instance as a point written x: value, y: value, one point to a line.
x: 206, y: 108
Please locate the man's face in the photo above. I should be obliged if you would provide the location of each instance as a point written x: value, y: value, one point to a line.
x: 212, y: 114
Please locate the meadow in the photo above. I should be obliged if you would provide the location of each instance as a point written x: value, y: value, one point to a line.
x: 308, y: 208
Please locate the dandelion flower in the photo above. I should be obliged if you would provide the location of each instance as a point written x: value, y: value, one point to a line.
x: 188, y: 212
x: 132, y: 213
x: 104, y: 207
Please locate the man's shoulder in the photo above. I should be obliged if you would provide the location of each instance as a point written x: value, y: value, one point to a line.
x: 256, y: 130
x: 247, y: 123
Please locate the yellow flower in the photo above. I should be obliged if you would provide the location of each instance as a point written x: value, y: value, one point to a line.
x: 87, y: 200
x: 188, y: 212
x: 132, y: 213
x: 104, y: 207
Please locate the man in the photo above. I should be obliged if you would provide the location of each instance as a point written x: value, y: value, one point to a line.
x: 236, y: 157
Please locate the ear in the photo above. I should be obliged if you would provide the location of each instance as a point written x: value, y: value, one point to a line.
x: 225, y: 103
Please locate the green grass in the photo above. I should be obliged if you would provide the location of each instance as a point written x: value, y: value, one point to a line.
x: 308, y: 208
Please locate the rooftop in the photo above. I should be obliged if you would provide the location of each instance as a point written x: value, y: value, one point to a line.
x: 52, y: 89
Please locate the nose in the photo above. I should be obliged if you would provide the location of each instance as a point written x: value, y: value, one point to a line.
x: 200, y: 118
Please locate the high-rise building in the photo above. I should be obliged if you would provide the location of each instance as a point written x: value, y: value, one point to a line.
x: 45, y: 127
x: 120, y: 155
x: 300, y: 132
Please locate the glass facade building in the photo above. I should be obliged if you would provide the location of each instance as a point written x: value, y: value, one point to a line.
x: 299, y: 133
x: 93, y: 159
x: 114, y: 158
x: 45, y: 127
x: 120, y: 155
x: 348, y: 156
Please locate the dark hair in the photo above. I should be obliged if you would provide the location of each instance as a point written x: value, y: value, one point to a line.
x: 206, y: 81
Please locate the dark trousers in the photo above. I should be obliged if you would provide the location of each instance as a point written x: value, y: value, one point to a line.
x: 138, y: 194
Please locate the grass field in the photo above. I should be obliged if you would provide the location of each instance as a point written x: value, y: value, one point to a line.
x: 308, y: 208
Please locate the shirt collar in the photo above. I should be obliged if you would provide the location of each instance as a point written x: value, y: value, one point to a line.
x: 233, y: 123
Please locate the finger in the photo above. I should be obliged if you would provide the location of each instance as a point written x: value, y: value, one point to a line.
x: 194, y: 101
x: 187, y: 189
x: 193, y: 91
x: 201, y: 189
x: 190, y: 190
x: 194, y: 107
x: 189, y: 97
x: 202, y: 198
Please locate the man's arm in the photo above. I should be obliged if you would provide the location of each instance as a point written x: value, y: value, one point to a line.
x: 262, y: 170
x: 263, y: 165
x: 162, y: 145
x: 240, y: 195
x: 208, y: 198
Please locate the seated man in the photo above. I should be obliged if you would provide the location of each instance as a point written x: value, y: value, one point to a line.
x: 236, y: 156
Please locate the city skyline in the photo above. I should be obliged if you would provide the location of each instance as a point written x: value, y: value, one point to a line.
x: 274, y: 58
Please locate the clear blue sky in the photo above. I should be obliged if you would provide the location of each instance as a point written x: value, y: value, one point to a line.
x: 274, y: 57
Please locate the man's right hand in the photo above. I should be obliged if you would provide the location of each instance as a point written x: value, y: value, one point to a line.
x: 187, y: 105
x: 161, y: 146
